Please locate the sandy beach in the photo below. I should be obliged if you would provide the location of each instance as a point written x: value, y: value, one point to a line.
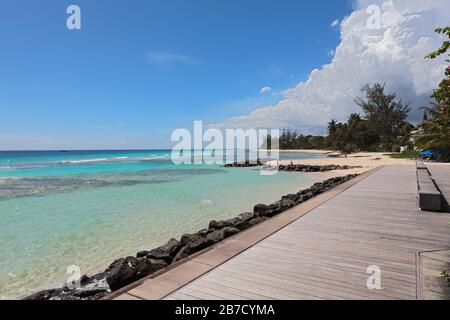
x: 367, y: 160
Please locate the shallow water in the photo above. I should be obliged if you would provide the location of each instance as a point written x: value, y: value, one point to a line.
x: 71, y: 208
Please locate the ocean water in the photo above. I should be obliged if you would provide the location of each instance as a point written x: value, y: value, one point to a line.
x: 87, y: 208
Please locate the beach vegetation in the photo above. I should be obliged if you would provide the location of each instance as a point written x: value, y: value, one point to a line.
x: 408, y: 154
x: 382, y: 127
x: 434, y: 133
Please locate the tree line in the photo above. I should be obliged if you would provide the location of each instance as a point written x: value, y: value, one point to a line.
x: 382, y: 125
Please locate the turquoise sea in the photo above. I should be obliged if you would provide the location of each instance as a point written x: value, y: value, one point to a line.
x: 87, y: 208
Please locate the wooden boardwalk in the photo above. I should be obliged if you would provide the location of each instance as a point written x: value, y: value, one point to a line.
x: 326, y: 253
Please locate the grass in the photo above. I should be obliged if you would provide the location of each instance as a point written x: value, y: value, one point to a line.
x: 403, y: 155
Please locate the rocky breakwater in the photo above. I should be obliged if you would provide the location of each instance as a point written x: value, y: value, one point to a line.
x: 314, y: 168
x: 245, y: 164
x: 292, y: 167
x: 125, y: 271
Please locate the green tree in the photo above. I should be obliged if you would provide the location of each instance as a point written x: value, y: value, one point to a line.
x: 385, y: 113
x: 436, y: 129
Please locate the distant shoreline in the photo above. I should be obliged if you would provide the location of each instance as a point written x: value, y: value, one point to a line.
x: 302, y: 150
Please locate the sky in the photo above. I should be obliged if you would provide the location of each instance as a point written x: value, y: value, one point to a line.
x: 137, y: 70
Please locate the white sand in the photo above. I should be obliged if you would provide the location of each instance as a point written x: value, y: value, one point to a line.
x: 365, y: 159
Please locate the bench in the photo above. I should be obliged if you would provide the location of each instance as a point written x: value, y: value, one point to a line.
x: 420, y: 165
x: 430, y: 198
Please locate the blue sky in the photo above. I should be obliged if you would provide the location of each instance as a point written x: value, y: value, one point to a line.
x: 139, y: 69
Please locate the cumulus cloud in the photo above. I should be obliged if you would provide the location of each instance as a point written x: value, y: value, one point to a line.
x: 265, y: 89
x: 335, y: 23
x: 393, y: 53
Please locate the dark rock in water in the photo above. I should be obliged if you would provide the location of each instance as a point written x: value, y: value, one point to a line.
x: 90, y: 293
x: 245, y: 164
x: 247, y: 216
x: 217, y: 225
x: 141, y: 254
x: 257, y: 220
x: 171, y: 247
x: 122, y: 272
x: 262, y: 209
x: 145, y: 267
x: 157, y: 255
x: 165, y: 252
x: 216, y: 236
x: 286, y: 204
x: 204, y: 232
x: 193, y: 244
x: 45, y: 294
x: 219, y: 235
x: 229, y: 231
x: 315, y: 168
x: 84, y: 279
x: 188, y: 238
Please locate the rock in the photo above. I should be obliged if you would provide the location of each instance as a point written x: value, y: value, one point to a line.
x: 286, y: 204
x: 315, y: 168
x: 171, y: 247
x: 204, y: 232
x: 189, y: 237
x: 247, y: 216
x: 257, y: 220
x: 122, y: 272
x: 90, y: 293
x: 229, y: 231
x: 157, y: 255
x: 193, y: 245
x: 217, y: 225
x: 262, y: 209
x: 216, y: 236
x: 44, y: 294
x: 268, y: 211
x: 145, y: 267
x: 141, y: 254
x: 243, y: 222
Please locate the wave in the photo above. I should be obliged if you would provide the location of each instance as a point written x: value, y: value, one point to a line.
x: 82, y: 161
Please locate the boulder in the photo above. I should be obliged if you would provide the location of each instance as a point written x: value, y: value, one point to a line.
x: 229, y: 231
x: 189, y: 237
x: 216, y: 236
x: 193, y: 245
x: 45, y: 294
x: 145, y: 267
x: 264, y: 210
x: 257, y: 220
x: 122, y: 272
x: 243, y: 222
x: 141, y: 254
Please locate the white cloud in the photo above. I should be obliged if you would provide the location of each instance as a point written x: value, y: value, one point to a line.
x: 265, y: 89
x: 166, y: 58
x: 335, y: 23
x: 393, y: 54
